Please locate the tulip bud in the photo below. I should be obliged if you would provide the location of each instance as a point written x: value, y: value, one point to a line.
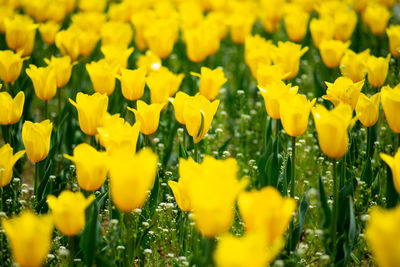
x: 391, y: 106
x: 69, y: 211
x: 36, y: 139
x: 133, y: 83
x: 367, y: 109
x: 11, y: 109
x: 44, y: 81
x: 7, y: 162
x: 10, y: 65
x: 331, y: 126
x: 211, y: 82
x: 30, y: 238
x: 92, y: 110
x: 378, y: 68
x: 91, y: 166
x: 148, y: 116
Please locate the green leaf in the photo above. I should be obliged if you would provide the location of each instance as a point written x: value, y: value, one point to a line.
x: 366, y: 175
x: 323, y: 203
x: 201, y: 128
x: 391, y: 193
x: 302, y: 216
x: 182, y: 151
x: 153, y: 199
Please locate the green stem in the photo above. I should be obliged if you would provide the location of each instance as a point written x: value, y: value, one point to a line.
x: 59, y: 101
x: 277, y: 135
x: 196, y: 152
x: 71, y: 251
x: 36, y: 178
x: 293, y: 167
x: 335, y: 206
x: 46, y: 109
x: 8, y: 133
x: 369, y: 143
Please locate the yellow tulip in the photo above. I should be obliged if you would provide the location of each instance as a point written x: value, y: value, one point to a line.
x: 343, y: 90
x: 296, y: 24
x: 394, y: 164
x: 188, y: 169
x: 288, y: 55
x: 271, y: 14
x: 48, y: 31
x: 382, y: 234
x: 161, y: 36
x: 62, y: 67
x: 11, y: 109
x: 199, y: 110
x: 249, y: 250
x: 331, y: 126
x: 116, y: 132
x: 92, y: 6
x: 345, y: 21
x: 367, y: 109
x: 102, y: 76
x: 92, y: 110
x: 131, y: 178
x: 133, y: 83
x: 376, y: 16
x: 116, y: 33
x: 267, y: 74
x: 139, y: 21
x: 87, y: 41
x: 68, y: 211
x: 5, y: 12
x: 91, y: 166
x: 148, y: 116
x: 211, y: 82
x: 201, y: 42
x: 89, y: 21
x: 391, y: 106
x: 20, y: 34
x: 10, y: 65
x: 163, y: 84
x: 68, y: 43
x: 7, y: 162
x: 117, y: 56
x: 272, y: 93
x: 332, y: 52
x: 150, y: 61
x: 44, y: 81
x: 354, y: 65
x: 213, y: 189
x: 294, y: 112
x: 30, y: 238
x: 36, y: 139
x: 378, y: 68
x: 257, y: 52
x: 179, y: 103
x: 321, y: 29
x: 393, y: 32
x: 240, y: 26
x: 266, y: 212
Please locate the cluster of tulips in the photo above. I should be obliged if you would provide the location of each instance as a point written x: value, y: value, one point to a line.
x: 102, y: 58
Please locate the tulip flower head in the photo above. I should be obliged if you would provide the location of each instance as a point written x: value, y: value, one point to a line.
x: 30, y: 238
x: 287, y: 55
x: 296, y: 22
x: 20, y: 34
x: 7, y: 162
x: 391, y: 106
x: 68, y: 211
x: 394, y: 164
x: 102, y: 76
x: 267, y: 74
x: 11, y: 108
x: 198, y: 113
x: 48, y: 31
x: 44, y: 81
x: 133, y: 83
x: 272, y: 93
x: 321, y: 29
x: 131, y: 178
x: 343, y: 90
x: 382, y: 234
x: 378, y: 68
x: 62, y: 67
x: 266, y: 212
x: 393, y: 32
x: 376, y: 16
x: 332, y: 52
x: 148, y: 116
x: 345, y: 21
x: 92, y: 110
x: 211, y: 82
x: 163, y: 84
x: 117, y: 56
x: 179, y: 103
x: 116, y: 32
x: 354, y: 65
x: 150, y: 61
x: 294, y: 112
x: 331, y: 126
x: 91, y: 166
x: 10, y: 65
x: 36, y: 139
x: 367, y: 109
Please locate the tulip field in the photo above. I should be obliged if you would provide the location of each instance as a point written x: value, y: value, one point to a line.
x: 228, y: 133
